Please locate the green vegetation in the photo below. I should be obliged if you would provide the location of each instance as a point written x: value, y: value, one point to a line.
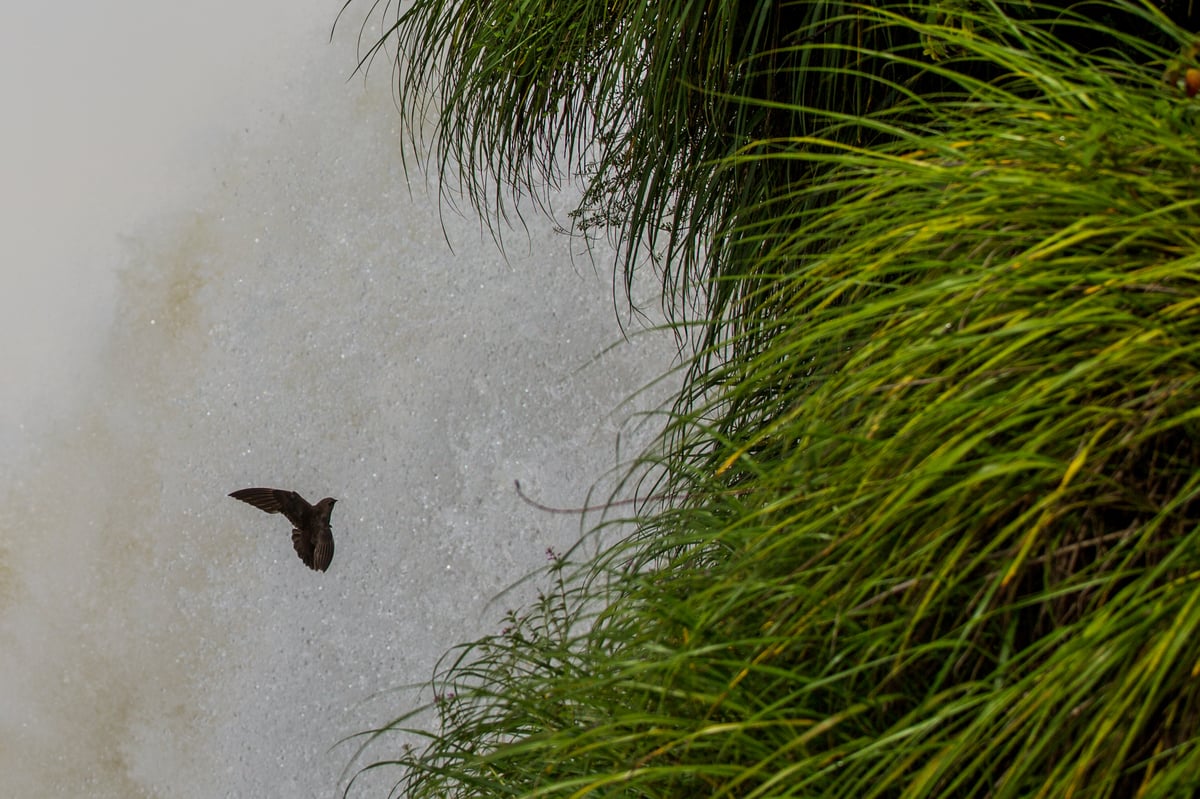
x: 933, y: 515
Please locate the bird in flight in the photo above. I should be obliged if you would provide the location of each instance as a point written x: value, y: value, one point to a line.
x: 312, y: 537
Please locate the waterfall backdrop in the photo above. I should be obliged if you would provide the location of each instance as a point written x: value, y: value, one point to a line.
x: 223, y: 276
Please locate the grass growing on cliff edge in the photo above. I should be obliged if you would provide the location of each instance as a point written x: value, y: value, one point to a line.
x: 936, y: 528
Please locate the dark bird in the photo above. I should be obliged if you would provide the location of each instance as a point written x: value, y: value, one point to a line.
x: 311, y: 537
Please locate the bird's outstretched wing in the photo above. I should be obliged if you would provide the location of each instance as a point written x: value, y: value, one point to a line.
x: 323, y: 554
x: 317, y: 554
x: 277, y: 500
x: 304, y: 547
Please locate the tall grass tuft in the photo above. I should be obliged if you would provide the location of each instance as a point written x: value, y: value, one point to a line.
x: 934, y: 515
x: 643, y: 102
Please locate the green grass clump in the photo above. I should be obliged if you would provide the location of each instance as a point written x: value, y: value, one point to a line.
x: 933, y: 526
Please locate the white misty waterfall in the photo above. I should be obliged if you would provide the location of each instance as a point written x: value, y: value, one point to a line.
x: 288, y: 314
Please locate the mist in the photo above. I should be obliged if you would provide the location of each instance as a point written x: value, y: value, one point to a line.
x: 225, y: 278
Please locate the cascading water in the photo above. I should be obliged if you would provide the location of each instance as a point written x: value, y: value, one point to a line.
x: 294, y: 319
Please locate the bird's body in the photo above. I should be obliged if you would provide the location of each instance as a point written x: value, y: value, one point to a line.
x: 312, y: 536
